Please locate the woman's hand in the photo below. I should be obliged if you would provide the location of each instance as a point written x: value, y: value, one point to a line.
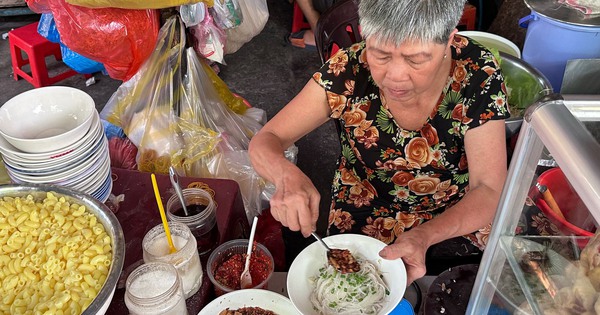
x: 411, y: 247
x: 296, y: 201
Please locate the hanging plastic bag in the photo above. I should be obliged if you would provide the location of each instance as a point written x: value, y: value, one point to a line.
x: 227, y: 13
x: 39, y: 6
x: 135, y: 4
x: 234, y: 102
x: 149, y: 109
x: 256, y: 14
x: 209, y: 40
x: 192, y: 14
x: 120, y: 39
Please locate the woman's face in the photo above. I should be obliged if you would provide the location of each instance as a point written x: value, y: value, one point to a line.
x: 407, y: 71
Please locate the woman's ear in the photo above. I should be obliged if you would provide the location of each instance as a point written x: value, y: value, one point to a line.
x: 451, y: 38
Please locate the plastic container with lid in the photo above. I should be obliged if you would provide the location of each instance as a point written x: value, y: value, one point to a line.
x: 557, y: 33
x: 155, y: 289
x: 186, y: 259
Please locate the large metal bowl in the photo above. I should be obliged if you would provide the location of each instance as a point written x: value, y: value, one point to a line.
x: 100, y: 304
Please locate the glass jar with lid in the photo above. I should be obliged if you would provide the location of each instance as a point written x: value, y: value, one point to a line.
x: 155, y: 289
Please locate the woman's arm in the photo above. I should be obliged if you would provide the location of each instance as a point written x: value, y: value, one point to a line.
x: 296, y: 200
x: 486, y: 153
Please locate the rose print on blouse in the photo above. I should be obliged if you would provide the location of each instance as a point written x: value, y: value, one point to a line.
x: 341, y: 219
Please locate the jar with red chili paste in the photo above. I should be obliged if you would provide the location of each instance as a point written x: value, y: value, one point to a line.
x: 226, y: 263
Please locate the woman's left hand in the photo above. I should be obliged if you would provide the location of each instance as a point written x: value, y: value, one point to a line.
x: 411, y: 247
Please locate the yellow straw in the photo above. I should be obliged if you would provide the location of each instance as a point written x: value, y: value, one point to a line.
x: 172, y: 248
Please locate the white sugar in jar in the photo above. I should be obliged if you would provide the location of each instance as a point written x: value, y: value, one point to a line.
x: 155, y: 289
x: 186, y: 259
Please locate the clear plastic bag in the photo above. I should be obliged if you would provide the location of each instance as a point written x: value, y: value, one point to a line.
x: 209, y: 39
x: 192, y: 14
x: 227, y: 13
x: 256, y: 14
x: 119, y: 39
x: 149, y: 109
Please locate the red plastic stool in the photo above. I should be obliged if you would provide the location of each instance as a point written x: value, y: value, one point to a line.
x: 298, y: 21
x: 27, y: 39
x: 468, y: 18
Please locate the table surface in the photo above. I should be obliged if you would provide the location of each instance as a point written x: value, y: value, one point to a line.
x: 138, y: 213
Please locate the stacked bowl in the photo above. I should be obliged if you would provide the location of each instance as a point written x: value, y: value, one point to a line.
x: 53, y: 135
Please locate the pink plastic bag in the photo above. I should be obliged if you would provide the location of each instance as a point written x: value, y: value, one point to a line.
x: 120, y: 39
x: 209, y: 39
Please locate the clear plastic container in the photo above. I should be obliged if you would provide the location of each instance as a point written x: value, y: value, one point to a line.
x: 261, y: 261
x: 155, y: 289
x: 186, y: 259
x: 202, y: 218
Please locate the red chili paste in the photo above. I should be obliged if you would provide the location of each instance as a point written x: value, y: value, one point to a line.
x: 229, y: 272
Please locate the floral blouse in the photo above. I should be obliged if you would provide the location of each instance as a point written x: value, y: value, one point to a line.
x: 390, y: 179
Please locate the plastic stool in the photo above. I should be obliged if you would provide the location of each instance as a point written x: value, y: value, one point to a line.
x: 27, y: 39
x: 298, y: 21
x: 467, y: 20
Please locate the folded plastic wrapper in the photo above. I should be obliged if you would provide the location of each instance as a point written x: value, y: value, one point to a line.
x: 227, y: 13
x: 256, y: 14
x: 120, y: 39
x: 135, y: 4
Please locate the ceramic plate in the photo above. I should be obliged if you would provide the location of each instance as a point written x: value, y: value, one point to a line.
x: 313, y: 257
x: 264, y: 299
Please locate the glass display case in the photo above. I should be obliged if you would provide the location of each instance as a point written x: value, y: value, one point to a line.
x: 542, y: 257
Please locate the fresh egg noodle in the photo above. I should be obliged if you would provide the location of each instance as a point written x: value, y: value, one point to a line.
x: 360, y: 292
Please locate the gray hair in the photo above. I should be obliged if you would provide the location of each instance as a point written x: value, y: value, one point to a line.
x: 394, y: 21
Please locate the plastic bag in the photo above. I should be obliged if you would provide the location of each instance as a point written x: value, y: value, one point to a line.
x: 209, y: 39
x: 122, y: 153
x: 47, y: 28
x: 148, y: 108
x: 227, y: 13
x: 135, y: 4
x: 256, y: 14
x: 192, y: 14
x: 38, y: 6
x: 234, y: 102
x: 120, y: 39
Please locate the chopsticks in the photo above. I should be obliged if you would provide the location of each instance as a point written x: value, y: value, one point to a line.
x: 547, y: 196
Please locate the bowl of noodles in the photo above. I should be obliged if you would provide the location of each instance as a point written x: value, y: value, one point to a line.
x: 317, y: 288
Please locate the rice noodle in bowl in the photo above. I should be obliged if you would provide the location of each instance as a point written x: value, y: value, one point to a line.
x: 376, y: 289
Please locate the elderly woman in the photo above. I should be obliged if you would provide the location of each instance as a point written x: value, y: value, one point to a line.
x: 415, y: 102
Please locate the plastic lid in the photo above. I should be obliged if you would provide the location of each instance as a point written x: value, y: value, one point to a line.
x: 562, y: 13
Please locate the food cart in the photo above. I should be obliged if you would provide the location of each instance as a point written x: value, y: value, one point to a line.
x: 525, y: 273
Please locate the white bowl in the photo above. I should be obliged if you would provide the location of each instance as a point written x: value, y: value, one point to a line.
x: 490, y: 40
x: 52, y: 157
x: 264, y: 299
x: 47, y: 118
x: 307, y: 264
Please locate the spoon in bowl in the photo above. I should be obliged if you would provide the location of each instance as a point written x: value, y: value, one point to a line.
x: 175, y: 183
x: 341, y: 259
x: 246, y: 278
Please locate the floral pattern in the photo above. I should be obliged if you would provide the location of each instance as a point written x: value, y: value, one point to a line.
x: 390, y: 179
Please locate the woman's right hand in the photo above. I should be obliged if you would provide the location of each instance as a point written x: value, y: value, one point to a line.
x: 296, y: 201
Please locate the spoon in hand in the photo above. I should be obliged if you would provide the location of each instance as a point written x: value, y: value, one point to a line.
x: 175, y: 183
x: 340, y: 259
x: 246, y: 278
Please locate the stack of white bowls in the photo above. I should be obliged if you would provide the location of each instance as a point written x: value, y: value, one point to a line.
x: 53, y: 135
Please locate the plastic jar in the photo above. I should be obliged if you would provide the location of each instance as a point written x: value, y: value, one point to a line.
x: 186, y: 259
x: 155, y: 289
x: 202, y: 219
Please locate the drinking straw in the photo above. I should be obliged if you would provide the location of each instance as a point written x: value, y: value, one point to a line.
x: 163, y: 217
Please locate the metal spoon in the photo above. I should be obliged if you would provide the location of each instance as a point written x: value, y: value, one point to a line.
x: 175, y: 183
x: 340, y: 259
